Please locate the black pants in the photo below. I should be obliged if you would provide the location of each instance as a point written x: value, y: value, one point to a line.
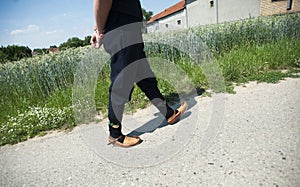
x: 128, y: 66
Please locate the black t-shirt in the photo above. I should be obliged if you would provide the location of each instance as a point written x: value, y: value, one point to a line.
x: 128, y: 7
x: 124, y: 12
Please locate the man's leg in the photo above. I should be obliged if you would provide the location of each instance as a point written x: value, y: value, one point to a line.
x: 149, y: 87
x: 117, y: 42
x: 146, y: 80
x: 122, y: 81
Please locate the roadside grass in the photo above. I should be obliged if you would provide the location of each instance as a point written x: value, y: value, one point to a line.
x: 261, y: 63
x: 36, y: 94
x: 273, y: 76
x: 264, y: 63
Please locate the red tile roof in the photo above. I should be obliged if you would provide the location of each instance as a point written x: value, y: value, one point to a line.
x: 173, y: 9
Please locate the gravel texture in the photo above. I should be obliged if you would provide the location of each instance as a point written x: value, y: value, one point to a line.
x: 250, y: 138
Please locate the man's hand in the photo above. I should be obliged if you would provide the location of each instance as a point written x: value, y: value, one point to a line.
x: 96, y: 40
x: 101, y: 12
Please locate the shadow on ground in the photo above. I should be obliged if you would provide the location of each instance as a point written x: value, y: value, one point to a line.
x: 152, y: 125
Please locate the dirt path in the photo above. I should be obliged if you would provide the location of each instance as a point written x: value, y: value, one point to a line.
x: 250, y: 138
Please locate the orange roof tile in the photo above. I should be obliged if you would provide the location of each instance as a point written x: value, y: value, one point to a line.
x: 173, y: 9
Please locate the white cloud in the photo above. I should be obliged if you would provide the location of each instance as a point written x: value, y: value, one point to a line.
x: 28, y: 29
x: 52, y: 32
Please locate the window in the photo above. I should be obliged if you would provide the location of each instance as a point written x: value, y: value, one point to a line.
x: 179, y: 22
x: 289, y: 5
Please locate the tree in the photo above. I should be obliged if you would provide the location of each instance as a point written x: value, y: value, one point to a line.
x: 72, y: 42
x: 3, y: 56
x: 75, y: 42
x: 40, y: 51
x: 14, y: 53
x: 87, y: 40
x: 147, y: 15
x: 53, y: 46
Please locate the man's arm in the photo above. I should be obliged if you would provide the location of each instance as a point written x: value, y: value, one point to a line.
x: 101, y: 12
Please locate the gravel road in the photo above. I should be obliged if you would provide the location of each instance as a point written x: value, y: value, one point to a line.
x: 251, y: 138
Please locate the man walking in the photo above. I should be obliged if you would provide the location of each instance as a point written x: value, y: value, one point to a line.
x: 118, y: 27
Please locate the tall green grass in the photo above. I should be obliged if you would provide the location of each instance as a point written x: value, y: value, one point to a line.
x: 36, y: 93
x: 32, y: 81
x: 251, y: 60
x: 222, y: 38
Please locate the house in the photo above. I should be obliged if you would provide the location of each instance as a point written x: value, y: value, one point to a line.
x: 52, y: 50
x: 190, y: 13
x: 172, y: 18
x: 44, y: 51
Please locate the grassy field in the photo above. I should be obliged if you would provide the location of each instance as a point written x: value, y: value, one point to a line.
x: 36, y: 93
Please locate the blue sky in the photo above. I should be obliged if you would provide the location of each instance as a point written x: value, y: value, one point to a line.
x: 41, y: 23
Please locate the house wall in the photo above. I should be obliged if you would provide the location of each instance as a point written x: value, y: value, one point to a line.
x: 169, y: 23
x: 151, y: 27
x: 231, y: 10
x: 271, y: 7
x: 200, y: 12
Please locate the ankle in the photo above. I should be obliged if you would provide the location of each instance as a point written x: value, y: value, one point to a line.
x: 170, y: 114
x: 115, y: 131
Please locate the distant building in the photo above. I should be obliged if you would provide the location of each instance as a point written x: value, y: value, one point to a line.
x: 44, y: 51
x: 52, y: 50
x: 190, y: 13
x: 172, y: 18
